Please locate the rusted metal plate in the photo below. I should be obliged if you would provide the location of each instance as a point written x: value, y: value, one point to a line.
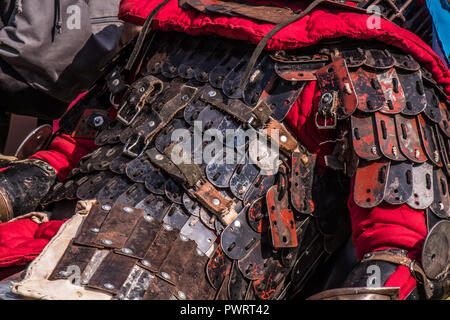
x: 176, y: 216
x: 160, y: 289
x: 74, y: 257
x: 281, y: 217
x: 155, y: 182
x: 118, y: 226
x: 90, y: 188
x: 368, y: 90
x: 192, y: 206
x: 393, y: 92
x: 370, y: 183
x: 409, y: 138
x: 414, y: 90
x: 34, y: 142
x: 405, y: 62
x: 254, y: 263
x: 112, y: 273
x: 444, y: 124
x: 335, y: 79
x: 219, y: 171
x: 428, y: 138
x: 259, y: 78
x: 399, y: 186
x: 387, y: 137
x: 242, y: 179
x: 141, y: 238
x: 90, y: 228
x: 113, y: 189
x: 238, y: 238
x: 364, y: 137
x: 267, y: 286
x: 195, y: 230
x: 422, y: 195
x: 301, y: 181
x: 133, y: 195
x: 436, y: 251
x: 379, y: 59
x: 173, y: 191
x: 218, y: 268
x: 154, y: 205
x: 441, y: 203
x: 257, y: 215
x: 160, y: 248
x: 259, y: 188
x: 138, y: 168
x: 238, y: 285
x: 432, y: 110
x: 178, y: 257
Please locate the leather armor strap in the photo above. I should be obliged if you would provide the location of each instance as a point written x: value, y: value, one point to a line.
x: 414, y: 267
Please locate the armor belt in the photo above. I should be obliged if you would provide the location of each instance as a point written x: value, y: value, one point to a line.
x: 260, y: 232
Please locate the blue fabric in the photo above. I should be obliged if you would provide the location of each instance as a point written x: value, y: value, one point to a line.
x: 440, y: 12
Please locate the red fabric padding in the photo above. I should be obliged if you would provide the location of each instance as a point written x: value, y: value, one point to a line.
x: 301, y: 120
x: 64, y: 153
x: 23, y: 240
x: 389, y: 227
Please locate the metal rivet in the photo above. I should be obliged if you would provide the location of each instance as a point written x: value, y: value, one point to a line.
x: 283, y: 138
x: 109, y: 286
x: 374, y: 150
x: 148, y: 218
x: 84, y: 281
x: 127, y: 251
x: 181, y: 295
x: 436, y: 156
x: 185, y: 98
x: 145, y: 263
x: 106, y: 241
x: 417, y: 154
x: 98, y: 121
x: 215, y: 201
x: 212, y: 93
x: 394, y: 151
x: 441, y: 206
x: 237, y: 224
x: 95, y: 230
x: 63, y: 273
x: 128, y: 209
x: 168, y: 227
x: 151, y: 123
x: 183, y: 238
x: 159, y: 157
x: 142, y: 89
x: 115, y: 82
x: 106, y: 207
x: 199, y: 252
x: 165, y: 275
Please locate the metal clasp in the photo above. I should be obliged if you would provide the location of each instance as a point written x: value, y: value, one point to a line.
x: 326, y: 100
x: 130, y: 144
x: 138, y: 108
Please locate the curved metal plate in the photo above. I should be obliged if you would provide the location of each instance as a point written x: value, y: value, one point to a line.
x: 370, y: 183
x: 364, y: 137
x: 436, y: 250
x: 387, y: 137
x: 422, y: 196
x: 34, y: 142
x: 409, y: 138
x: 399, y: 186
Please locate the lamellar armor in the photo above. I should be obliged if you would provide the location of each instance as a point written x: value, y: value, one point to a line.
x: 166, y: 229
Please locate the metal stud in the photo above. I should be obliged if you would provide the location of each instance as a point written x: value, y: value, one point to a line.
x: 145, y: 263
x: 374, y: 150
x: 106, y: 241
x: 95, y: 230
x: 109, y: 286
x: 417, y: 154
x: 212, y: 93
x: 106, y: 207
x: 183, y: 238
x: 165, y: 275
x: 63, y: 273
x: 128, y: 209
x: 159, y: 157
x: 215, y: 201
x: 283, y: 139
x: 168, y: 227
x: 237, y: 224
x: 148, y: 218
x: 181, y: 295
x: 127, y: 251
x: 151, y: 123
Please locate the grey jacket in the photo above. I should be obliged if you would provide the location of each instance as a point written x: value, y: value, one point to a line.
x: 58, y: 46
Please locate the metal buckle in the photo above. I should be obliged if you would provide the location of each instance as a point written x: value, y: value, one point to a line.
x: 130, y: 144
x: 123, y: 120
x: 322, y: 110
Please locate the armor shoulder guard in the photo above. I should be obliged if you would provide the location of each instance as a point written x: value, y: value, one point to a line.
x: 394, y: 119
